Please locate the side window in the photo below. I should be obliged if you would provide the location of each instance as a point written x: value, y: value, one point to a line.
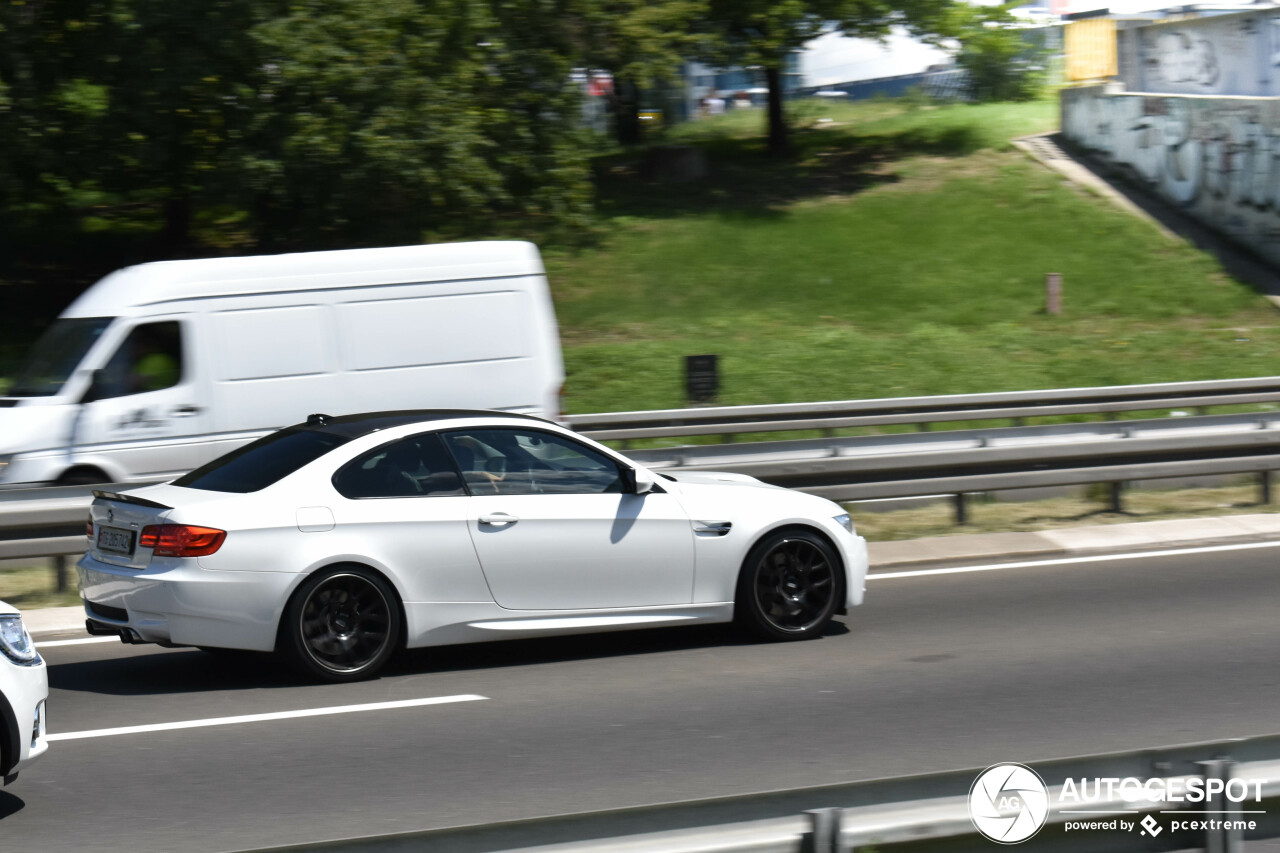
x: 150, y: 359
x: 409, y: 468
x: 530, y: 462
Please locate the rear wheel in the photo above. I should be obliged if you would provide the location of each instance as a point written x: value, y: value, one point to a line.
x: 342, y: 624
x: 790, y: 587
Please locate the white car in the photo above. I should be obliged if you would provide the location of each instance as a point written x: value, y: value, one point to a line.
x: 24, y: 689
x: 342, y: 539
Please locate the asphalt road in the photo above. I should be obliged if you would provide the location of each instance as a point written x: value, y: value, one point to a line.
x: 935, y: 672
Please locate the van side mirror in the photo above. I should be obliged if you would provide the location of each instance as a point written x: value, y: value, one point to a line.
x: 637, y: 481
x: 94, y: 391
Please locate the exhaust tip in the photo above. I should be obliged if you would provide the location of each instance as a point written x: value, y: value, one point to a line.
x: 128, y: 636
x: 99, y: 629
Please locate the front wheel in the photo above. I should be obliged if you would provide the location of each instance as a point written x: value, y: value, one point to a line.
x: 342, y: 624
x: 790, y: 587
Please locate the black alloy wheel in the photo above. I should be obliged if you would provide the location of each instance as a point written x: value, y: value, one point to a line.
x: 343, y: 624
x: 792, y: 583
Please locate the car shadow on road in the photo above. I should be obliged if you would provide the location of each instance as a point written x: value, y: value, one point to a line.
x: 177, y: 671
x: 577, y: 647
x: 10, y: 805
x: 172, y: 671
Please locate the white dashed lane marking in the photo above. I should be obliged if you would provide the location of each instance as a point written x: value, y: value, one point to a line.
x: 261, y: 718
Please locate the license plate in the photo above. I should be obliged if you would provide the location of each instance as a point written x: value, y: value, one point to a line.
x: 115, y: 540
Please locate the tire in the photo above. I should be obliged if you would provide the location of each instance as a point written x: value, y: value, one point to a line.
x: 82, y: 477
x: 342, y: 624
x: 792, y: 583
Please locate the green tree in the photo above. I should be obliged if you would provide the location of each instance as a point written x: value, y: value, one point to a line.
x: 763, y: 32
x: 379, y: 122
x: 1004, y: 61
x: 49, y: 106
x: 180, y: 104
x: 642, y: 43
x: 329, y: 121
x: 118, y: 105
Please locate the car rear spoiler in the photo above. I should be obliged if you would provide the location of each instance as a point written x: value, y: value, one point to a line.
x: 128, y: 499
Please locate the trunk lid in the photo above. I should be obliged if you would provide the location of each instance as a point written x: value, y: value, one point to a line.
x: 118, y: 520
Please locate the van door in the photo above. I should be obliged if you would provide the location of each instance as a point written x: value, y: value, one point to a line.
x: 144, y: 415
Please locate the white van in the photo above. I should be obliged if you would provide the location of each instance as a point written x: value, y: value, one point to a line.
x: 160, y: 367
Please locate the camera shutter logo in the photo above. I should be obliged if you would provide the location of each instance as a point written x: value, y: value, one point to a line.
x: 1008, y: 803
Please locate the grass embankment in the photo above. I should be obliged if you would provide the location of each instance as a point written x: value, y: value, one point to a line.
x: 31, y: 584
x: 902, y: 252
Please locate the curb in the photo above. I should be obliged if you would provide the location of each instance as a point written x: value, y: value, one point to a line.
x: 1096, y: 538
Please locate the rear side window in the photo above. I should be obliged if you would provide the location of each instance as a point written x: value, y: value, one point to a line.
x: 263, y: 462
x: 417, y: 466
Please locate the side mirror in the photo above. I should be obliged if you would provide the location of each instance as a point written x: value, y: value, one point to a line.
x: 638, y: 480
x: 94, y: 391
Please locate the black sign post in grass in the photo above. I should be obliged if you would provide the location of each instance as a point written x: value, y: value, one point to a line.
x: 701, y: 378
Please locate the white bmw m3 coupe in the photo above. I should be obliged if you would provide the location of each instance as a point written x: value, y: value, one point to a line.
x: 340, y: 540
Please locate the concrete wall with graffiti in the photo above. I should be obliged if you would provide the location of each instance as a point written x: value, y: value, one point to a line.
x: 1217, y: 158
x: 1236, y: 54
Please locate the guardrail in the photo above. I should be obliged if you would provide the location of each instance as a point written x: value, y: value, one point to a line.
x: 922, y: 814
x: 43, y: 522
x: 923, y: 411
x: 974, y: 461
x: 49, y: 522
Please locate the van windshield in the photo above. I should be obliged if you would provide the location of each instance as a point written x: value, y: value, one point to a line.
x: 55, y: 356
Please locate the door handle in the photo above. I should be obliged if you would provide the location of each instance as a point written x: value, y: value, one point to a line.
x: 186, y: 410
x: 498, y: 518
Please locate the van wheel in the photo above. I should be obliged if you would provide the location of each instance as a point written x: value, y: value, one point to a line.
x: 82, y: 477
x: 342, y: 624
x: 790, y: 587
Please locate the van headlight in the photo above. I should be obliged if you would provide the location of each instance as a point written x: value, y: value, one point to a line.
x: 16, y: 643
x: 845, y: 521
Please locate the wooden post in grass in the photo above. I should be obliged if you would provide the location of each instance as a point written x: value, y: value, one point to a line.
x: 60, y: 573
x: 1053, y: 293
x: 1264, y: 490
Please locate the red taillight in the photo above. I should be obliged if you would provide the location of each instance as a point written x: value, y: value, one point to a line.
x: 181, y: 540
x: 88, y: 529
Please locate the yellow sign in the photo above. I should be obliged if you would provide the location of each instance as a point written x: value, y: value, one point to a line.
x: 1090, y: 46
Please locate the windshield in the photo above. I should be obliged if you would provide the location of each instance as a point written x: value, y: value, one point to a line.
x: 59, y: 350
x: 261, y: 463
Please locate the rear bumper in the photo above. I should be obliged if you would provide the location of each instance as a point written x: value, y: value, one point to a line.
x: 175, y: 602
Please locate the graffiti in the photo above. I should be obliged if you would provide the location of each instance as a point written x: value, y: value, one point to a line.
x: 1177, y: 57
x: 1218, y: 159
x: 1216, y: 55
